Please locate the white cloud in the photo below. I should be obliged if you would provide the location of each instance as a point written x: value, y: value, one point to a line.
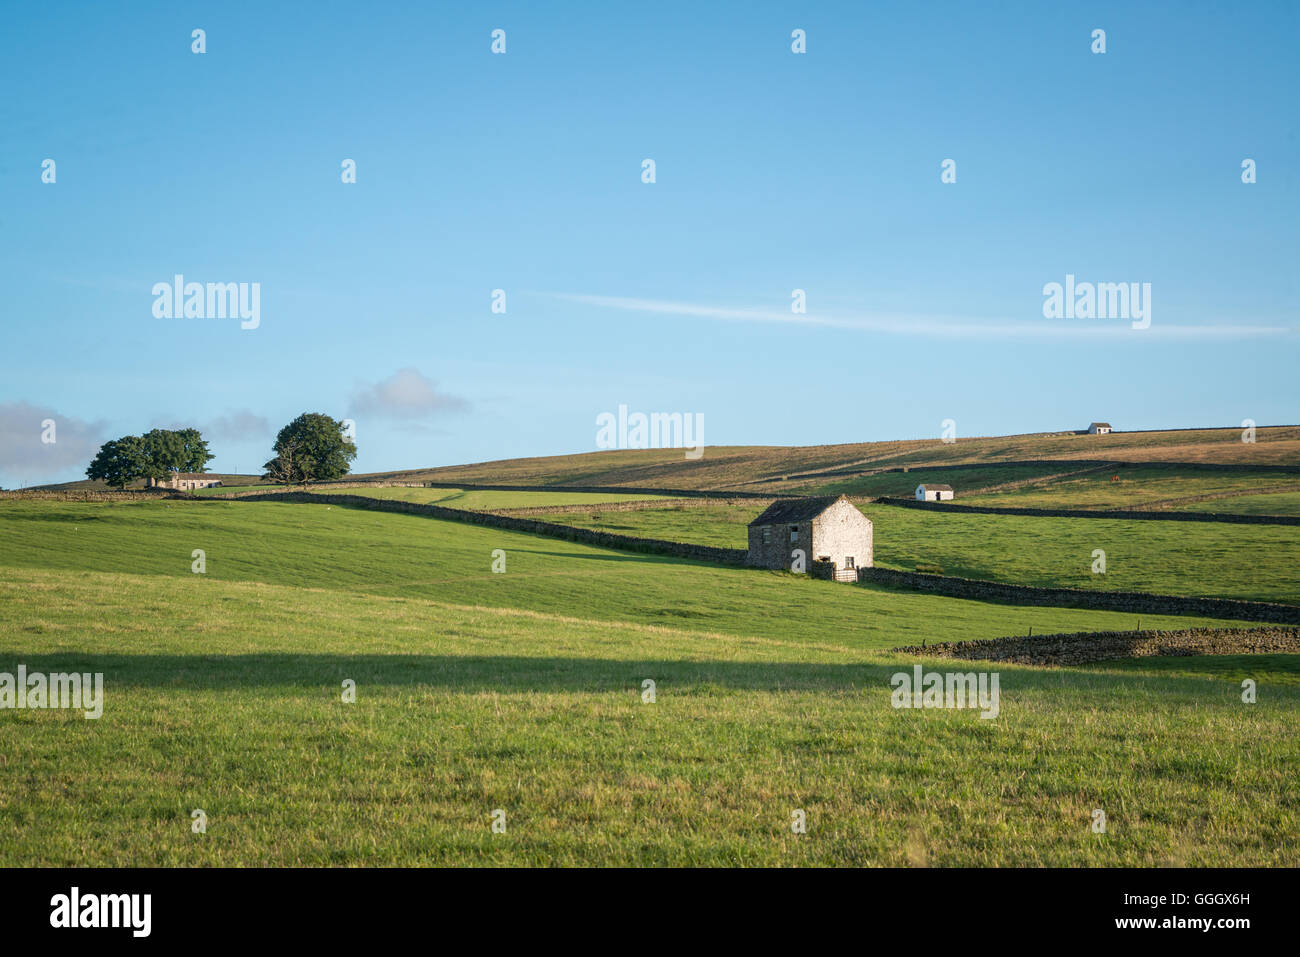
x: 406, y: 394
x: 23, y: 452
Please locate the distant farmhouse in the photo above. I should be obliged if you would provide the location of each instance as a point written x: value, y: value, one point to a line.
x: 827, y: 529
x: 933, y: 493
x: 186, y: 481
x: 1098, y: 428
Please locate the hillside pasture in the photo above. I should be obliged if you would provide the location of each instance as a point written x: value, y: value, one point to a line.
x: 410, y: 556
x: 223, y: 692
x: 1253, y: 562
x: 799, y: 469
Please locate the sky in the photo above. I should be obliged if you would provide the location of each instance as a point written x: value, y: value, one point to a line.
x: 523, y: 171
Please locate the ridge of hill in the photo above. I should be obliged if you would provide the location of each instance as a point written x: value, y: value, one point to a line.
x: 777, y: 469
x: 781, y: 468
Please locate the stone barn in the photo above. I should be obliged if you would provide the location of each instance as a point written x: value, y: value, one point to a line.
x: 1098, y: 428
x: 827, y: 529
x: 933, y: 493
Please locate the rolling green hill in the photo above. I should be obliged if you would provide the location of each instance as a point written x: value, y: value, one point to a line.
x: 405, y: 556
x: 1253, y: 562
x: 523, y: 691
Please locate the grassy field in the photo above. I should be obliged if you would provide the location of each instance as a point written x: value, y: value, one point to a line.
x: 1275, y: 503
x: 966, y: 480
x: 522, y: 692
x: 395, y: 555
x: 1257, y: 562
x: 1080, y: 485
x: 1129, y: 486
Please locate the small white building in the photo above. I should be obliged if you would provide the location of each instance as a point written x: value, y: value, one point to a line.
x: 1098, y: 428
x: 933, y: 493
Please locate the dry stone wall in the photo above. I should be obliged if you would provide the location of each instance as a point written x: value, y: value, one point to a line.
x: 1083, y: 647
x: 1095, y: 513
x: 90, y: 495
x: 1137, y: 602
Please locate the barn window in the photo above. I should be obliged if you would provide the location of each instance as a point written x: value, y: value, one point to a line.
x: 794, y: 533
x: 767, y: 535
x: 848, y: 561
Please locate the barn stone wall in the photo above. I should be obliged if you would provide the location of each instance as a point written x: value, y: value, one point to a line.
x: 840, y: 531
x: 777, y: 552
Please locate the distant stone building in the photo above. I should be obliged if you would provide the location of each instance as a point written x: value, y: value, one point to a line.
x: 1098, y: 428
x: 933, y: 493
x: 827, y: 529
x: 186, y: 481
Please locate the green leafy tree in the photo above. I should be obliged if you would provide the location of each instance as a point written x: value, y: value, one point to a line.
x: 119, y: 461
x: 167, y: 451
x: 163, y: 450
x: 196, y: 455
x: 311, y: 448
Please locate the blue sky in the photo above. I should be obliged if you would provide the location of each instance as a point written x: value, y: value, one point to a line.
x: 522, y: 172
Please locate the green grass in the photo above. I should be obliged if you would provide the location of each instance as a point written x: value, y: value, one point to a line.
x: 396, y: 555
x: 1255, y: 562
x: 522, y: 691
x: 964, y: 480
x: 1115, y: 486
x: 225, y: 696
x: 1138, y: 486
x: 1276, y: 503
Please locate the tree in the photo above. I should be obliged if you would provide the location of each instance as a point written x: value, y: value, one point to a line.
x: 281, y: 468
x: 168, y: 451
x: 196, y: 455
x: 119, y: 461
x: 311, y: 448
x: 163, y: 451
x: 155, y: 455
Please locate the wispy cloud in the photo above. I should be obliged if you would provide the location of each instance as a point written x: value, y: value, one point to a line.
x: 935, y: 326
x: 233, y: 426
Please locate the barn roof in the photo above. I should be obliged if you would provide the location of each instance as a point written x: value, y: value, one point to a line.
x: 1099, y: 425
x: 795, y: 510
x: 935, y: 488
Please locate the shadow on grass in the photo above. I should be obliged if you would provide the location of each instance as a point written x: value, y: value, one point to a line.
x: 460, y: 672
x: 557, y: 674
x: 619, y: 557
